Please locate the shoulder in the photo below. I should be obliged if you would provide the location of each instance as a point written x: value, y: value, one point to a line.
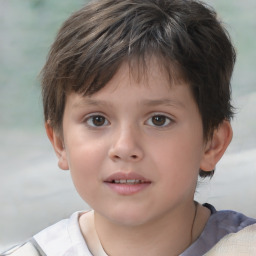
x: 224, y: 222
x: 26, y: 249
x: 63, y: 238
x: 219, y: 225
x: 227, y: 221
x: 241, y: 243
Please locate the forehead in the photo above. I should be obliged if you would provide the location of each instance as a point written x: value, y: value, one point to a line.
x: 156, y: 77
x: 139, y: 67
x: 143, y: 68
x: 150, y: 86
x: 149, y: 70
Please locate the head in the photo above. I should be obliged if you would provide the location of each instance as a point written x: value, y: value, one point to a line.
x: 184, y: 36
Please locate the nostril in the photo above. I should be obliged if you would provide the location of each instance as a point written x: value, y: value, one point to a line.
x: 117, y: 153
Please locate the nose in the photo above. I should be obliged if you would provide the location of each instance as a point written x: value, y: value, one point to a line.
x: 126, y: 146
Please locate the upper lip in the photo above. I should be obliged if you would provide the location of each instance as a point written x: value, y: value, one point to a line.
x: 125, y: 176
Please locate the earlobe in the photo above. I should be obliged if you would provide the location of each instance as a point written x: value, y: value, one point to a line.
x: 216, y: 147
x: 58, y: 145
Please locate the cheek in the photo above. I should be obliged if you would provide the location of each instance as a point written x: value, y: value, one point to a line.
x: 85, y: 160
x: 84, y: 151
x: 83, y: 170
x: 85, y: 163
x: 178, y: 156
x: 179, y: 169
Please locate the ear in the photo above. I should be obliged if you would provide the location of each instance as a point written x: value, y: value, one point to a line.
x: 58, y: 145
x: 216, y: 147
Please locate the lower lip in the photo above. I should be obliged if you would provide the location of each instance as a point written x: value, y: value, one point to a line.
x: 127, y: 189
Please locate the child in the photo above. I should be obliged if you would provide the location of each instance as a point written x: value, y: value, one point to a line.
x: 136, y: 101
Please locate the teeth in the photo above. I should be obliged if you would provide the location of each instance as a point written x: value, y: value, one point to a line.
x: 130, y: 181
x: 127, y: 181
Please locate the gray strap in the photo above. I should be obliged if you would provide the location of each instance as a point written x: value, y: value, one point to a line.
x: 12, y: 249
x: 37, y: 247
x: 30, y: 248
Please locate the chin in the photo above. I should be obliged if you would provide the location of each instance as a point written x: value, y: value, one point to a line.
x: 128, y: 218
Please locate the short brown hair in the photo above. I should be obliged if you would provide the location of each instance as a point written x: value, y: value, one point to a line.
x: 185, y: 34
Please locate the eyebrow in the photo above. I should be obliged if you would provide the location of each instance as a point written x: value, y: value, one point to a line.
x: 165, y: 102
x: 91, y: 102
x: 147, y: 102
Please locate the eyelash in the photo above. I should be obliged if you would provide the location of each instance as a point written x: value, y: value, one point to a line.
x: 165, y: 121
x: 90, y: 119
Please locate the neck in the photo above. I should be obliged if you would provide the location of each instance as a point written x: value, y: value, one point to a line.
x: 170, y: 234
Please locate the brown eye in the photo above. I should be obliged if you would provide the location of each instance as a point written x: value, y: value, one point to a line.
x: 159, y: 120
x: 97, y: 121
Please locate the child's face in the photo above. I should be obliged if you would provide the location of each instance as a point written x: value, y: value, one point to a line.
x: 146, y: 132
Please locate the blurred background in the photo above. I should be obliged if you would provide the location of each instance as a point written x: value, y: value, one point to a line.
x: 34, y: 193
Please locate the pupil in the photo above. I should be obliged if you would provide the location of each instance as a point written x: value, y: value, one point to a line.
x: 159, y: 120
x: 98, y: 120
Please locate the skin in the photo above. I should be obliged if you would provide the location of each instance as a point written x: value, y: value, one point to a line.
x: 139, y: 127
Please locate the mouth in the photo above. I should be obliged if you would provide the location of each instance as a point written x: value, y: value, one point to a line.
x: 126, y: 178
x: 129, y: 182
x: 126, y: 184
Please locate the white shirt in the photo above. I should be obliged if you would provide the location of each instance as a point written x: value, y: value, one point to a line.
x: 63, y: 238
